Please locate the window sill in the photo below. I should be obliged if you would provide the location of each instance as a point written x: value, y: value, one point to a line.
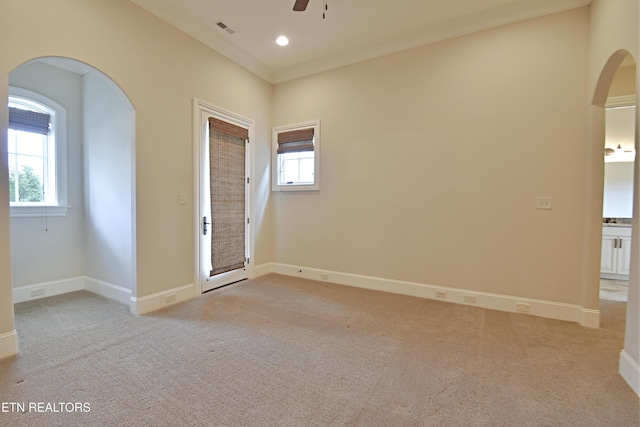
x: 38, y: 211
x: 296, y: 187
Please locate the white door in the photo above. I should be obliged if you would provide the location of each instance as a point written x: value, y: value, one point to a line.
x: 224, y: 195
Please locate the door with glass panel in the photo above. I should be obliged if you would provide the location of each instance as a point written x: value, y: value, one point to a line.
x: 224, y: 202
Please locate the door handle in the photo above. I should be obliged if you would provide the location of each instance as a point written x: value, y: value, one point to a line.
x: 204, y: 225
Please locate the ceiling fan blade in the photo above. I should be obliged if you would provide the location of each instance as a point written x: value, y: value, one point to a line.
x: 300, y: 5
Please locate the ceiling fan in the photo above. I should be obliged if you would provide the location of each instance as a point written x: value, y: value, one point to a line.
x: 301, y: 6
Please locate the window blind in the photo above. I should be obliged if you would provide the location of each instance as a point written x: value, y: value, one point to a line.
x: 227, y: 188
x: 228, y: 128
x: 295, y: 141
x: 28, y: 121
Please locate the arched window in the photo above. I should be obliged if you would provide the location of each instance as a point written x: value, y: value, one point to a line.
x: 36, y: 154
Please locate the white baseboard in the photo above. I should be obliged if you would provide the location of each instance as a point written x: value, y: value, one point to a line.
x: 589, y: 318
x: 260, y: 270
x: 162, y: 299
x: 630, y: 371
x: 8, y: 344
x: 117, y: 293
x: 108, y: 290
x: 549, y: 309
x: 47, y: 289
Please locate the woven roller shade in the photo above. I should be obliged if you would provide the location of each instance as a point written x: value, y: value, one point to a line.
x: 28, y: 121
x: 228, y: 183
x: 295, y: 141
x: 228, y: 128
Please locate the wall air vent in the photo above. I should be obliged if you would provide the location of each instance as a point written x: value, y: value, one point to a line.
x: 225, y: 27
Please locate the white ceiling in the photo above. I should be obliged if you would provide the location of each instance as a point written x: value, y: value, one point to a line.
x: 353, y: 31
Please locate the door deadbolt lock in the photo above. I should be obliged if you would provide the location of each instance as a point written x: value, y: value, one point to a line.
x: 204, y: 225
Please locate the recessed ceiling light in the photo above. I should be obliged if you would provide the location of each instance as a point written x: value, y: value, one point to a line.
x: 282, y: 41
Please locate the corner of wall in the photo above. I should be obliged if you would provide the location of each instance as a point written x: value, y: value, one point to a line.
x: 8, y: 344
x: 149, y: 303
x: 630, y: 371
x: 260, y: 270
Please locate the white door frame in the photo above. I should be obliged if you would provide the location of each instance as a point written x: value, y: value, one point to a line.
x: 202, y: 110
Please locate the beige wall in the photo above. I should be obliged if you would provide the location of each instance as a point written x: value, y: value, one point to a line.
x: 432, y: 160
x: 6, y: 292
x: 624, y: 82
x: 161, y: 70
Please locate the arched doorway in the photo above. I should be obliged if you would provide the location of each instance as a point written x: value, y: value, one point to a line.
x: 619, y: 159
x: 631, y: 350
x: 87, y: 240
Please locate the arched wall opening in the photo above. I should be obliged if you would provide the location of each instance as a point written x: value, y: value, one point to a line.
x: 93, y: 246
x: 631, y: 350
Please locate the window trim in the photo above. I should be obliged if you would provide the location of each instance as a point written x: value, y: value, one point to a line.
x: 59, y: 130
x: 275, y: 163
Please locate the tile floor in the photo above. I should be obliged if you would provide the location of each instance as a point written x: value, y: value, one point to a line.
x: 614, y: 290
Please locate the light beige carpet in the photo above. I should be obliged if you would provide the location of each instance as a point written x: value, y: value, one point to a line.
x: 281, y: 351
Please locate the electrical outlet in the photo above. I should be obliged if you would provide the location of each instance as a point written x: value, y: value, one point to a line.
x: 543, y: 203
x: 324, y: 276
x: 470, y: 299
x: 37, y: 292
x: 523, y: 306
x: 183, y: 198
x: 441, y: 294
x: 171, y: 298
